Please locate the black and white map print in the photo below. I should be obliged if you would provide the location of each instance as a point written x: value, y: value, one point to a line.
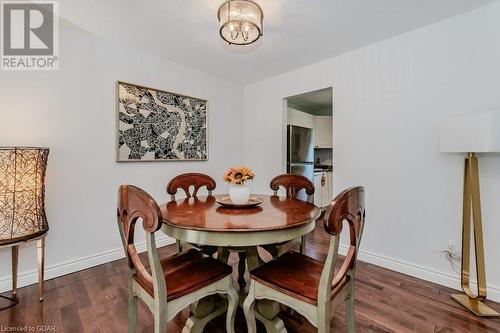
x: 159, y: 125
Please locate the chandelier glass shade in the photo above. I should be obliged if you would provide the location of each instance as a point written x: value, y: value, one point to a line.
x: 22, y: 193
x: 241, y: 21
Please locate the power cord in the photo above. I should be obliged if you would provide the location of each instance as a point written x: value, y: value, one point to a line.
x: 454, y: 260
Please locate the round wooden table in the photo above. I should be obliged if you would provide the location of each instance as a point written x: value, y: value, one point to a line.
x: 201, y: 220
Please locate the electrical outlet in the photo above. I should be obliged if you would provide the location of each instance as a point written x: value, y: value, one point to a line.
x: 451, y: 246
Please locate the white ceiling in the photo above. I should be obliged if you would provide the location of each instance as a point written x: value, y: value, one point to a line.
x: 296, y: 32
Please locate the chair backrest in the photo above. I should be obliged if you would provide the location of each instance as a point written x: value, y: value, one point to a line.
x: 348, y: 206
x: 186, y: 181
x: 135, y: 204
x: 293, y: 184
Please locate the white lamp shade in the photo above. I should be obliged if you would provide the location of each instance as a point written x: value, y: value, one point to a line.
x: 471, y: 133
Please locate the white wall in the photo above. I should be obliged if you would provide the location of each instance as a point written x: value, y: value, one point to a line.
x: 389, y: 100
x: 73, y: 111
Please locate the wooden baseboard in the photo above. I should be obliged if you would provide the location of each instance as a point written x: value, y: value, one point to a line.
x: 420, y: 272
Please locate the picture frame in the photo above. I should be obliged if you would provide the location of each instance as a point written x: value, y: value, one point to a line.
x: 158, y: 125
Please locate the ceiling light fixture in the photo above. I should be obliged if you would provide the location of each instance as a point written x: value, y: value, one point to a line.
x: 241, y: 21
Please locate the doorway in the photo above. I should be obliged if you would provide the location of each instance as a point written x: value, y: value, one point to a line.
x: 309, y: 141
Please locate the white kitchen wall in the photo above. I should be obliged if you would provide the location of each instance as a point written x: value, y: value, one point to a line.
x: 389, y: 100
x: 73, y: 111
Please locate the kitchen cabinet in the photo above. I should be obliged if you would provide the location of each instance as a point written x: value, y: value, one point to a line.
x: 329, y: 198
x: 299, y: 118
x: 323, y: 132
x: 318, y: 201
x: 323, y: 188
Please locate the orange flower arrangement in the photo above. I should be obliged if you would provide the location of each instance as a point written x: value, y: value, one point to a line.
x: 238, y: 175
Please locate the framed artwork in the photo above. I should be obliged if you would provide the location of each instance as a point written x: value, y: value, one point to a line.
x: 156, y: 125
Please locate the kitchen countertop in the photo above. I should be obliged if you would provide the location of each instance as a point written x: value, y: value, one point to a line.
x: 323, y: 170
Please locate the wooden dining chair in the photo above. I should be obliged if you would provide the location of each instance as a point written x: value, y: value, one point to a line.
x: 292, y: 184
x: 169, y: 285
x: 191, y: 183
x: 308, y: 286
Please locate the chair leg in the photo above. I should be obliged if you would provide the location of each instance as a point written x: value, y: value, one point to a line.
x: 303, y: 245
x: 223, y: 254
x: 15, y: 259
x: 242, y: 267
x: 323, y: 323
x: 208, y: 250
x: 178, y: 245
x: 324, y: 317
x: 41, y: 266
x: 232, y: 306
x: 160, y: 324
x: 249, y: 309
x: 349, y: 309
x: 132, y: 312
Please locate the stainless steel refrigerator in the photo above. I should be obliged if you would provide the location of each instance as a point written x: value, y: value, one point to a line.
x: 300, y: 153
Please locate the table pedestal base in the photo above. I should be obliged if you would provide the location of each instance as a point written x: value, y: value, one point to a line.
x: 275, y: 325
x: 196, y: 323
x: 210, y: 307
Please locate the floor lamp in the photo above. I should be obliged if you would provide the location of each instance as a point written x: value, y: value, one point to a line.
x: 470, y: 134
x: 22, y: 206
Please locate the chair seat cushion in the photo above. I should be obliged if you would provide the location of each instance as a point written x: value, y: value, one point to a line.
x: 188, y: 271
x: 295, y: 275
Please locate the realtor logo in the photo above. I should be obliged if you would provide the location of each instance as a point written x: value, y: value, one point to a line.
x: 30, y: 35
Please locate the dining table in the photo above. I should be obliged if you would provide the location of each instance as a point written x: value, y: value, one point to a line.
x: 203, y: 220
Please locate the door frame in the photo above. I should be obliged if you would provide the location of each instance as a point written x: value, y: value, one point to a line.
x: 284, y: 122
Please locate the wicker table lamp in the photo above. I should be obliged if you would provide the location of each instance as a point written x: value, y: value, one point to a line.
x: 22, y: 205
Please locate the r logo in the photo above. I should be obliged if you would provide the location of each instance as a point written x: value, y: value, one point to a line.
x: 30, y: 35
x: 28, y: 29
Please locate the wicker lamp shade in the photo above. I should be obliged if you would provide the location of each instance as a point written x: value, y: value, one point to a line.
x: 22, y: 193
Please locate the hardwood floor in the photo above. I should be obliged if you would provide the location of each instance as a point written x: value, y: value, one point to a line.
x: 95, y: 300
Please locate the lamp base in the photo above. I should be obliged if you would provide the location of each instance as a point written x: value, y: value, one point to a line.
x: 475, y: 306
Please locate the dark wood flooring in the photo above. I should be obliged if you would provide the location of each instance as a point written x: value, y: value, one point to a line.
x: 95, y: 300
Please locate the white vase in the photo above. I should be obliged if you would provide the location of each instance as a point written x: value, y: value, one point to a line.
x: 239, y: 194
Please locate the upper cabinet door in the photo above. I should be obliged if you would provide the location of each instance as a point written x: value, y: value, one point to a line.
x: 323, y: 132
x: 299, y: 118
